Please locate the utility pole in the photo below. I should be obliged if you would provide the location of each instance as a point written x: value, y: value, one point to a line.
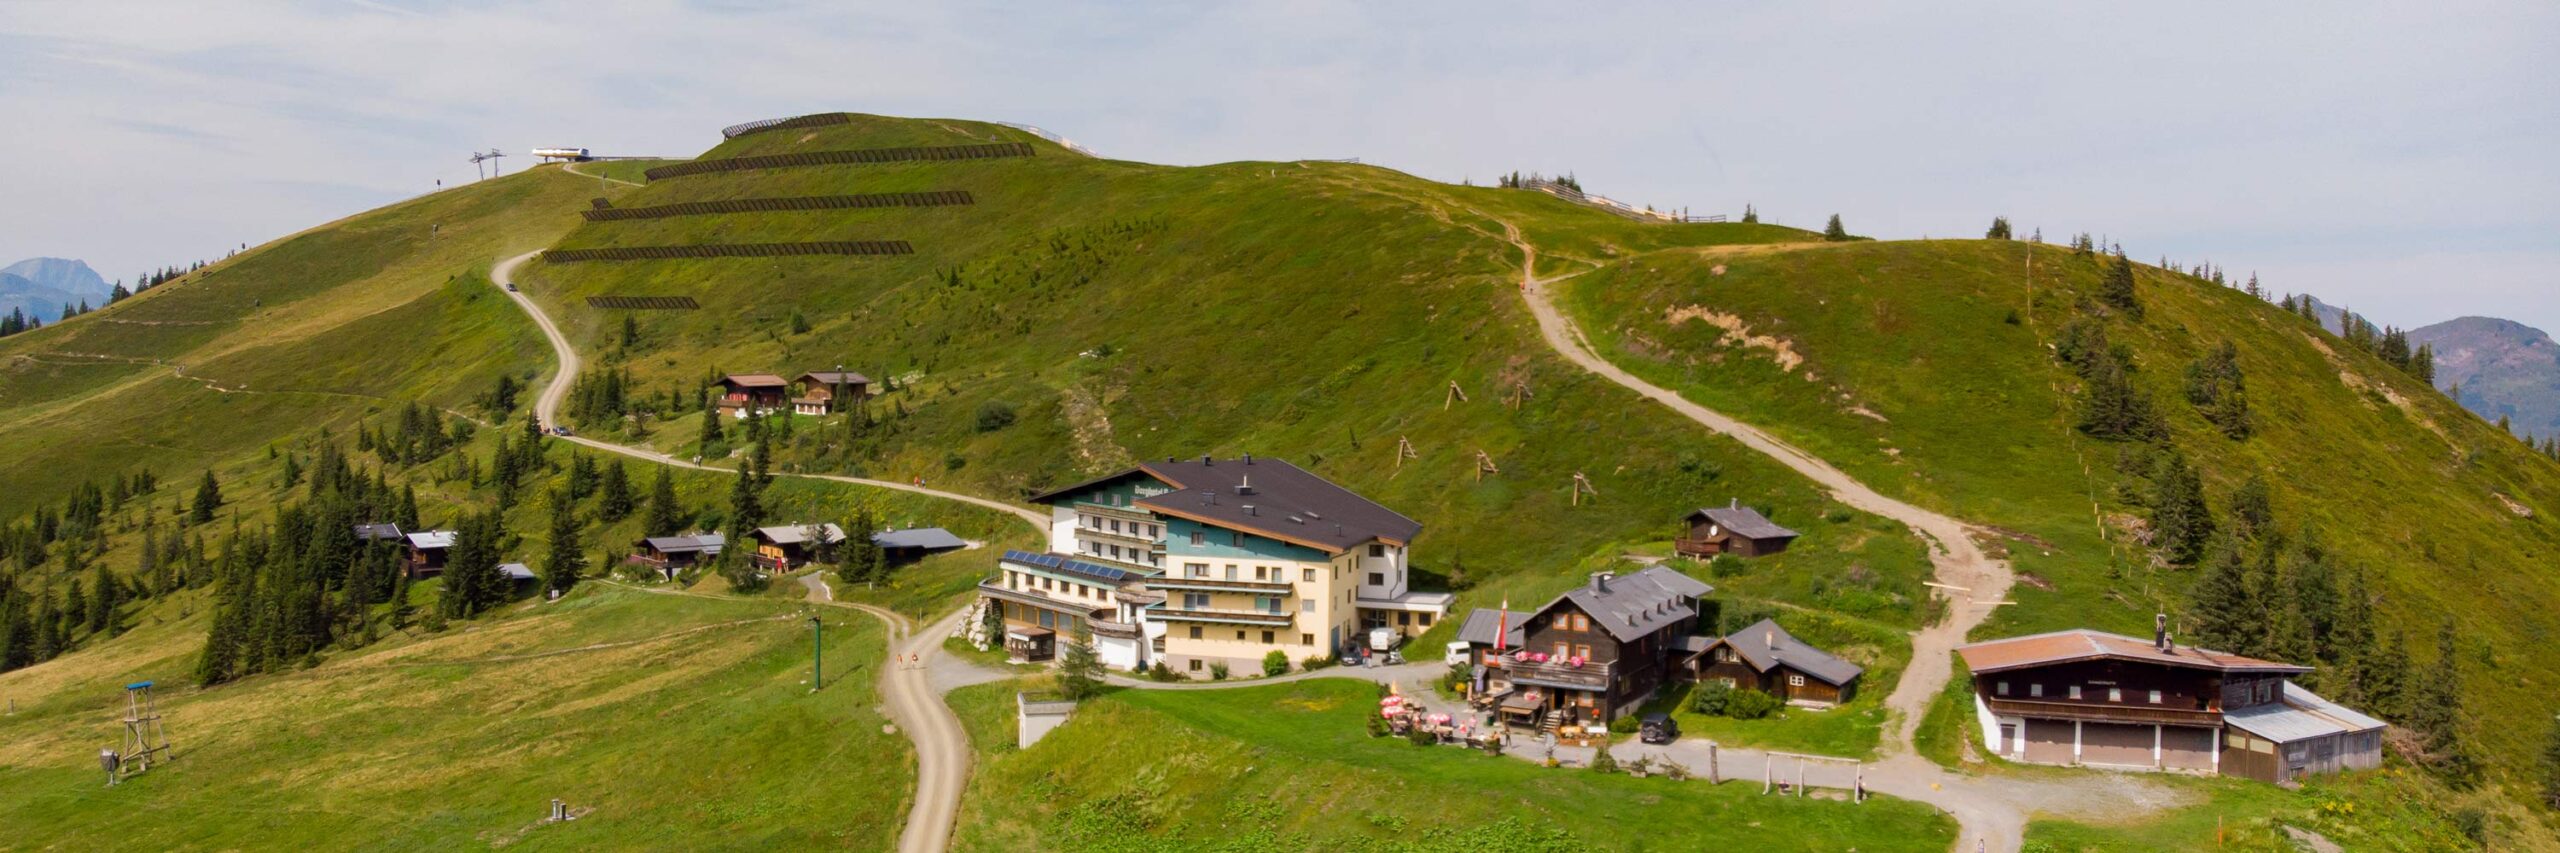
x: 817, y: 656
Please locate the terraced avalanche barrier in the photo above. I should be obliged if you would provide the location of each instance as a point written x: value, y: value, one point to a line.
x: 937, y: 198
x: 732, y: 250
x: 813, y: 120
x: 644, y: 303
x: 855, y: 156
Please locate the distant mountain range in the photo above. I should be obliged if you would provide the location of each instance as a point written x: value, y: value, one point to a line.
x: 41, y: 286
x: 2499, y: 368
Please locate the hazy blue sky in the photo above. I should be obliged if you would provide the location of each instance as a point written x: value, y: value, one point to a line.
x: 2393, y: 157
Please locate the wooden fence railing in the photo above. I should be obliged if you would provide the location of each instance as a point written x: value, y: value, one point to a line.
x: 854, y: 156
x: 936, y: 198
x: 731, y: 250
x: 644, y: 303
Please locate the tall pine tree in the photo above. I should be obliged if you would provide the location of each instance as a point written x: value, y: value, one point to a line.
x: 2116, y: 289
x: 666, y: 516
x: 2181, y: 523
x: 561, y: 566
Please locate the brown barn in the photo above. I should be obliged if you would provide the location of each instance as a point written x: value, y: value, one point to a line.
x: 743, y: 394
x: 670, y: 553
x: 2087, y: 697
x: 1766, y: 658
x: 828, y: 392
x: 787, y: 545
x: 1591, y: 655
x: 1736, y: 529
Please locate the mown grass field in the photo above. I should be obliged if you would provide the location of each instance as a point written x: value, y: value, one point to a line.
x: 1288, y: 767
x: 668, y: 720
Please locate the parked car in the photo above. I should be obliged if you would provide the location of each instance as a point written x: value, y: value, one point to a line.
x: 511, y: 287
x: 1457, y: 653
x: 1659, y: 728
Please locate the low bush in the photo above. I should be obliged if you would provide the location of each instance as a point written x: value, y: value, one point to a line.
x: 1218, y: 671
x: 1276, y: 663
x: 1316, y: 662
x: 994, y: 415
x: 1623, y: 725
x: 1750, y: 705
x: 1709, y: 697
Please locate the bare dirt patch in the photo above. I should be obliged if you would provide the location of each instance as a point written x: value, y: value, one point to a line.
x: 1092, y: 427
x: 2520, y: 510
x: 1737, y: 332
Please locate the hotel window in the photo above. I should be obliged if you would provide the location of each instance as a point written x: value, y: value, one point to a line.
x: 1115, y: 525
x: 1377, y: 579
x: 1195, y: 662
x: 1235, y: 539
x: 1199, y: 538
x: 1403, y: 618
x: 1424, y: 619
x: 1231, y: 571
x: 1308, y: 575
x: 2115, y: 694
x: 1239, y: 635
x: 1377, y: 550
x: 1306, y: 639
x: 1195, y: 600
x: 2035, y: 690
x: 1197, y: 570
x: 2155, y: 697
x: 1195, y: 634
x: 2075, y: 691
x: 1267, y: 638
x: 1306, y: 605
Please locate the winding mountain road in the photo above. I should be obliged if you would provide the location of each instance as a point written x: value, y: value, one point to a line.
x: 942, y: 746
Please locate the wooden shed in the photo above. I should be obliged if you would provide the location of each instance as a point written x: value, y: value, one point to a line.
x: 1733, y: 529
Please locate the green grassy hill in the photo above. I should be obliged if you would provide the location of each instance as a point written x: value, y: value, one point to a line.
x: 1927, y: 370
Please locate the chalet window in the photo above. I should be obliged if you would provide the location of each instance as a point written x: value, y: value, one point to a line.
x: 1577, y: 622
x: 1423, y: 619
x: 1377, y: 579
x: 1724, y: 655
x: 1564, y: 650
x: 2075, y: 692
x: 2001, y: 688
x: 1403, y: 618
x: 2035, y: 690
x: 1583, y: 652
x: 1307, y: 575
x: 1377, y: 550
x: 1195, y: 634
x: 1199, y: 538
x: 1795, y: 680
x: 2155, y: 697
x: 2115, y: 694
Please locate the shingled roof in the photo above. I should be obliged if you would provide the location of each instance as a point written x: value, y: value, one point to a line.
x: 1264, y: 496
x: 1482, y: 622
x: 753, y: 380
x: 1764, y: 646
x: 2084, y: 644
x: 1637, y: 604
x: 1744, y: 521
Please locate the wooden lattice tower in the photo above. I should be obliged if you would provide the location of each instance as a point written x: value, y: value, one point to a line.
x: 1404, y: 451
x: 145, y: 740
x: 1455, y: 396
x: 1484, y: 465
x: 1518, y: 395
x: 1582, y: 486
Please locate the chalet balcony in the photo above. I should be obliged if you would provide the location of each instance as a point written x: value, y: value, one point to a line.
x: 1701, y: 548
x: 1258, y: 618
x: 1215, y: 585
x: 1554, y: 672
x: 2103, y: 712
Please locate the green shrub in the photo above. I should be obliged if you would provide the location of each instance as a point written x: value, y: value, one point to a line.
x: 1316, y: 662
x: 1275, y: 663
x: 1726, y: 565
x: 1218, y: 671
x: 1625, y: 725
x: 1377, y: 726
x: 1419, y: 736
x: 1709, y: 697
x: 1750, y: 705
x: 994, y: 415
x: 1601, y: 760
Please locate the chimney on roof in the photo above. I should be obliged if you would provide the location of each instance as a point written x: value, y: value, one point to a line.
x: 1244, y: 485
x: 1600, y: 581
x: 1735, y: 504
x: 2160, y: 632
x: 1205, y: 461
x: 1248, y: 459
x: 1771, y: 637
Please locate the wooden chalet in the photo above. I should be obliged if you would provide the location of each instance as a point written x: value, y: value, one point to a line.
x: 1592, y: 655
x: 783, y: 546
x: 367, y: 534
x: 2092, y: 698
x: 1766, y: 658
x: 427, y: 552
x: 1733, y: 529
x: 829, y: 391
x: 670, y: 554
x: 743, y: 394
x: 916, y: 543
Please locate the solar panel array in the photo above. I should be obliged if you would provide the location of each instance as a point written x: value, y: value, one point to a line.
x: 731, y: 250
x: 937, y: 198
x: 1079, y: 567
x: 858, y: 155
x: 644, y: 303
x: 817, y: 120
